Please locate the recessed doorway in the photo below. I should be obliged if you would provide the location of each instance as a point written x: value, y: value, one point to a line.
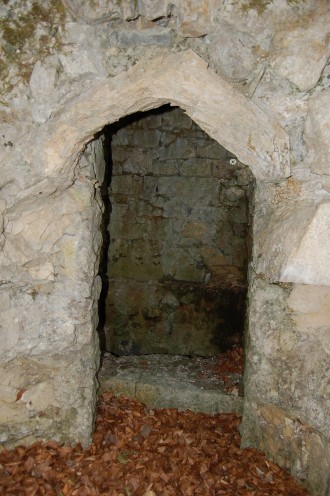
x: 176, y: 236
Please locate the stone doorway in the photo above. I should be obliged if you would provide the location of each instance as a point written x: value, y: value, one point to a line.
x: 67, y: 197
x: 176, y: 231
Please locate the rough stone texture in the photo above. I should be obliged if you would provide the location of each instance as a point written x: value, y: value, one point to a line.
x: 145, y: 37
x: 318, y: 120
x: 50, y: 215
x: 58, y: 267
x: 285, y: 321
x: 162, y: 381
x: 154, y: 9
x: 224, y: 114
x: 178, y: 231
x: 241, y: 59
x: 311, y: 55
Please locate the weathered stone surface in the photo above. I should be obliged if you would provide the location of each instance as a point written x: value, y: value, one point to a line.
x: 278, y: 336
x: 82, y: 61
x: 42, y: 85
x: 95, y: 12
x: 194, y: 17
x: 50, y: 291
x: 129, y: 9
x: 161, y: 381
x: 290, y: 242
x: 234, y: 54
x: 302, y: 62
x: 50, y: 281
x: 317, y: 132
x: 146, y: 37
x: 295, y: 445
x: 256, y: 139
x: 39, y: 387
x: 302, y: 265
x: 154, y: 9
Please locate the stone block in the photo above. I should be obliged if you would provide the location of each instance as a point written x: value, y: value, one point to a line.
x: 181, y: 148
x: 176, y: 119
x: 302, y: 266
x: 82, y: 61
x: 42, y: 85
x: 167, y: 317
x: 129, y: 9
x: 293, y: 444
x: 165, y: 168
x: 206, y: 149
x: 233, y: 53
x: 194, y: 17
x: 302, y: 62
x: 194, y: 230
x: 317, y: 132
x: 154, y: 9
x: 146, y: 37
x: 196, y: 167
x: 189, y: 190
x: 95, y: 13
x: 145, y: 138
x: 135, y: 259
x: 127, y: 184
x: 168, y: 137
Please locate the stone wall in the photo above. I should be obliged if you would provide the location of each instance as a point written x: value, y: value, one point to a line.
x: 255, y: 77
x: 178, y: 231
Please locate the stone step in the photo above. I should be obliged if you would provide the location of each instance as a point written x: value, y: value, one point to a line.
x: 173, y: 381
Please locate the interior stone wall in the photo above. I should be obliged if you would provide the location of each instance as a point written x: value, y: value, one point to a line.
x: 255, y: 77
x: 178, y: 239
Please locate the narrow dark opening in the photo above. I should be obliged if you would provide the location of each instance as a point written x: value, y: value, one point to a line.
x: 176, y: 231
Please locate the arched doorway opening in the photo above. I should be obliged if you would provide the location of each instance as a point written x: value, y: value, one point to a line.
x: 176, y: 243
x: 182, y: 80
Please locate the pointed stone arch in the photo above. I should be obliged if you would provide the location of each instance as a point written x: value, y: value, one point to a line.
x: 182, y: 80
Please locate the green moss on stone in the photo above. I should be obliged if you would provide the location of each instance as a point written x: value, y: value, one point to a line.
x: 26, y: 37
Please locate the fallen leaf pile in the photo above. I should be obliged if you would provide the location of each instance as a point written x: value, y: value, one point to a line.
x: 230, y: 362
x: 140, y: 452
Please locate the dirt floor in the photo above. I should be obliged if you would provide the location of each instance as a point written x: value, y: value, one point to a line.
x: 141, y: 452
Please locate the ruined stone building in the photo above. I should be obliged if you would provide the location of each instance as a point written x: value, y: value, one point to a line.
x: 201, y: 130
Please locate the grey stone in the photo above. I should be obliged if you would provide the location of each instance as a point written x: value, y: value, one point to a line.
x: 169, y: 382
x: 213, y: 150
x: 234, y: 193
x: 129, y: 9
x: 146, y: 37
x: 197, y: 167
x: 94, y: 13
x: 154, y: 9
x: 82, y: 61
x: 181, y: 148
x: 233, y: 53
x: 317, y: 132
x: 51, y: 207
x: 42, y: 85
x: 302, y: 63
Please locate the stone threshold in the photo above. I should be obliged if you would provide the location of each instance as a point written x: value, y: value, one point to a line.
x: 173, y: 381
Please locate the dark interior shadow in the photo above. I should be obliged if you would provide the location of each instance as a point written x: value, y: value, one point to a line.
x: 103, y: 267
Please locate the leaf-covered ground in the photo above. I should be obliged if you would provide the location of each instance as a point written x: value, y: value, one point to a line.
x: 140, y: 452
